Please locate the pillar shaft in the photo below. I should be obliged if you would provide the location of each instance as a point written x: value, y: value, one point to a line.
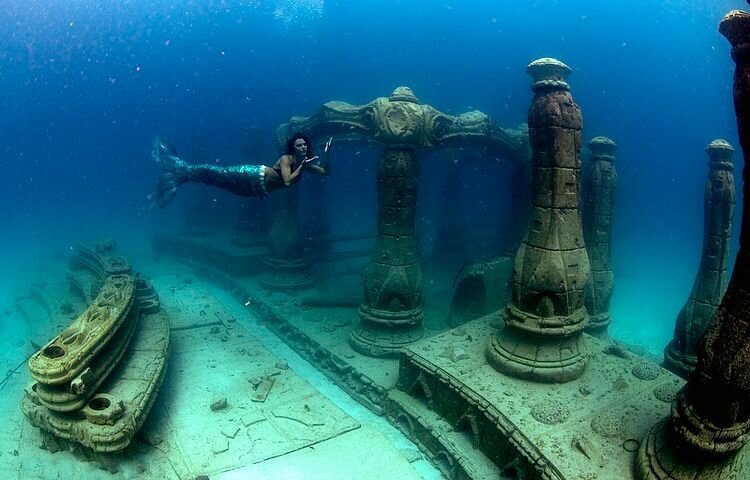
x: 542, y: 340
x: 391, y: 312
x: 711, y: 280
x: 598, y: 210
x: 288, y: 266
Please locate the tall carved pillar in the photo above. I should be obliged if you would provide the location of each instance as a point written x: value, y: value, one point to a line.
x: 288, y: 266
x: 600, y: 188
x: 710, y: 420
x: 542, y: 339
x: 391, y: 313
x: 711, y: 281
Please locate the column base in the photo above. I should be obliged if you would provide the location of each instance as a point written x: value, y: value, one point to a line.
x: 287, y: 275
x: 663, y: 456
x: 383, y: 334
x: 541, y: 350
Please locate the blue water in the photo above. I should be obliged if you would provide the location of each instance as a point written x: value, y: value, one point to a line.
x: 85, y: 85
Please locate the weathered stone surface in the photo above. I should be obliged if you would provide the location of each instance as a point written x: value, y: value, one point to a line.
x: 74, y: 395
x: 112, y: 417
x: 391, y: 313
x: 600, y: 189
x: 573, y: 430
x: 546, y: 315
x: 479, y: 289
x: 68, y: 354
x: 710, y: 282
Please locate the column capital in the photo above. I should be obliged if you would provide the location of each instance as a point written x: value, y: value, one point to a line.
x: 549, y: 74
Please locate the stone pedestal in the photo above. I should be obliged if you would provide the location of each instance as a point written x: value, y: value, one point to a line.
x: 710, y: 421
x: 391, y: 313
x: 711, y: 281
x: 288, y: 266
x: 600, y: 189
x: 544, y: 321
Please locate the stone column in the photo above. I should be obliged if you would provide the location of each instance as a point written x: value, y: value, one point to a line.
x: 711, y: 281
x: 288, y: 266
x: 391, y: 312
x: 542, y: 339
x: 710, y: 420
x: 600, y: 188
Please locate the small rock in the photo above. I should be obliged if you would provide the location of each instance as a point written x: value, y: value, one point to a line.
x: 151, y: 438
x: 215, y: 329
x: 230, y: 431
x: 255, y: 381
x: 282, y: 365
x: 219, y: 404
x: 220, y: 445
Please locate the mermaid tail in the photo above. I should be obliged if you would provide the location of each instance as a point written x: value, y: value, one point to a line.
x: 174, y: 172
x: 245, y: 180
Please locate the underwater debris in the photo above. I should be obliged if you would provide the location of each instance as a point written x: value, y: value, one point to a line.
x: 616, y: 350
x: 219, y: 404
x: 262, y: 391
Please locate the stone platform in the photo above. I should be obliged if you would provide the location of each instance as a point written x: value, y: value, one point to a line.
x: 587, y: 428
x: 471, y: 421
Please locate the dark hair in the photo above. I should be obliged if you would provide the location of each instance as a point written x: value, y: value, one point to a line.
x: 295, y: 137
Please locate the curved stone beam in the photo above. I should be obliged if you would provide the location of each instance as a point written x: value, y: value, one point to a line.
x: 391, y: 121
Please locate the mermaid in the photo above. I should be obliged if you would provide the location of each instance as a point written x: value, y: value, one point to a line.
x: 245, y: 180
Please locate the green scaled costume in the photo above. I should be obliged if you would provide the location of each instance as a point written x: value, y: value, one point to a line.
x: 245, y: 180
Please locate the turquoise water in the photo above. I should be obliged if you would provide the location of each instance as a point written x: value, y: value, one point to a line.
x: 84, y: 87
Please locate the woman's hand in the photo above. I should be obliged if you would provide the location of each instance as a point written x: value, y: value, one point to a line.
x: 309, y: 160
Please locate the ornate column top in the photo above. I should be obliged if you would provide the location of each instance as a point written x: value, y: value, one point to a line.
x: 603, y: 147
x: 403, y: 94
x: 735, y: 26
x: 548, y: 73
x: 720, y: 154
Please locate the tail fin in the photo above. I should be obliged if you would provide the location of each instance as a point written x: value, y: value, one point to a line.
x: 175, y: 172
